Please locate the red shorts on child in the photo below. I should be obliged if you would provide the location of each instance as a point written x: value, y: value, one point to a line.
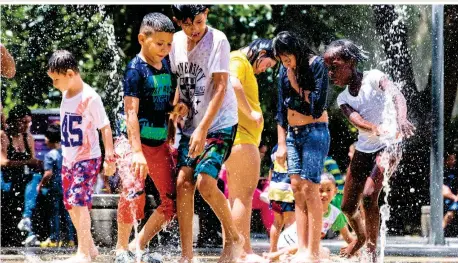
x: 160, y: 168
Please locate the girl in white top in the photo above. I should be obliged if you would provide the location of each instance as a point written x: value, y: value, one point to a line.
x: 377, y: 108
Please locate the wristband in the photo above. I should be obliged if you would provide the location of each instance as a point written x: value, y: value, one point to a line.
x: 110, y: 159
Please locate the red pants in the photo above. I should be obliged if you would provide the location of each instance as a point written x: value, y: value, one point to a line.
x: 160, y: 164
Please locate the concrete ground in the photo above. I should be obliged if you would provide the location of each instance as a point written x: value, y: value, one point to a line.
x: 398, y: 249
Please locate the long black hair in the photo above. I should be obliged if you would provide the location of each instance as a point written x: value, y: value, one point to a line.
x: 16, y: 114
x: 256, y: 47
x: 288, y: 43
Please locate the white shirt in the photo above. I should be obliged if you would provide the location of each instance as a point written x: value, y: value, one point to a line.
x: 288, y: 237
x: 194, y: 70
x: 376, y: 106
x: 80, y: 117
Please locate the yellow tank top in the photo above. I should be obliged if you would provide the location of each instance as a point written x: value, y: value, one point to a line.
x: 247, y: 131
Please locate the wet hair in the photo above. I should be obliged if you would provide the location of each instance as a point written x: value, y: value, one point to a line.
x: 183, y: 12
x: 16, y: 113
x: 257, y: 46
x: 348, y: 50
x: 53, y: 133
x: 156, y: 22
x: 288, y: 43
x: 61, y: 61
x: 328, y: 176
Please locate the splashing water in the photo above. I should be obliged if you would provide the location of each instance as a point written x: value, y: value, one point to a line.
x: 123, y: 148
x: 390, y: 132
x: 389, y: 160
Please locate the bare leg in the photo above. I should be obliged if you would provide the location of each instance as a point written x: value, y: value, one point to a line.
x: 275, y: 231
x: 301, y: 213
x: 161, y: 172
x: 243, y: 168
x: 372, y: 213
x: 289, y: 218
x: 315, y: 218
x: 354, y: 185
x: 448, y: 218
x: 302, y: 218
x: 371, y: 194
x: 86, y: 247
x: 185, y: 211
x: 123, y: 236
x: 233, y: 244
x: 154, y: 224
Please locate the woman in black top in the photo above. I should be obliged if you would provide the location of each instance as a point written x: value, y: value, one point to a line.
x: 17, y: 146
x: 303, y: 134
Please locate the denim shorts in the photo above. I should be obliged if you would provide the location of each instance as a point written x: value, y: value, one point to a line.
x: 307, y: 147
x: 450, y: 205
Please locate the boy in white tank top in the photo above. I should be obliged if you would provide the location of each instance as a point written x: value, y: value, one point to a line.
x: 81, y: 115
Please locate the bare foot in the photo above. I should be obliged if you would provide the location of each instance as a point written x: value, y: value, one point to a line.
x: 352, y: 248
x: 252, y: 258
x: 371, y: 256
x: 186, y: 260
x: 232, y: 250
x: 78, y: 258
x: 303, y: 257
x: 271, y: 255
x: 93, y: 252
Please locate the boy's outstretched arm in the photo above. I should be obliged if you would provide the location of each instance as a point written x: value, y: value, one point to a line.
x: 197, y: 141
x: 131, y: 106
x: 109, y: 166
x: 8, y: 68
x: 46, y: 176
x: 406, y: 127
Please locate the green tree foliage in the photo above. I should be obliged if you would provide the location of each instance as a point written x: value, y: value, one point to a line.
x: 32, y: 33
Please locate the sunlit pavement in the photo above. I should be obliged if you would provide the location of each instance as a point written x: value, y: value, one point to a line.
x: 398, y: 249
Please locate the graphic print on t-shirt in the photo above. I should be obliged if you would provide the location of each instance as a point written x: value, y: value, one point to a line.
x: 159, y: 88
x: 191, y: 87
x: 72, y: 135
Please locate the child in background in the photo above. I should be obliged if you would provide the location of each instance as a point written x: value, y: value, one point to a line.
x: 333, y: 219
x: 52, y: 179
x: 281, y: 200
x: 81, y: 115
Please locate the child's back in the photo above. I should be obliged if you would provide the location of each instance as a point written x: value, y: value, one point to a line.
x: 53, y: 161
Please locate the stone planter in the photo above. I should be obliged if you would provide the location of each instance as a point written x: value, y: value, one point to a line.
x: 103, y: 217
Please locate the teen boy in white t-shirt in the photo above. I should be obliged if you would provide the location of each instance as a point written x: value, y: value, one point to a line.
x: 200, y: 59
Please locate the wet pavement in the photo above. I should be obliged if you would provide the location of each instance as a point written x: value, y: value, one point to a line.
x: 398, y: 249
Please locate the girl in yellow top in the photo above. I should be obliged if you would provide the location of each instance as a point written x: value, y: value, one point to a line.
x: 244, y: 163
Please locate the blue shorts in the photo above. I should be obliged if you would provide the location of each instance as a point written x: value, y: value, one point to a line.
x: 281, y: 207
x: 307, y: 147
x: 450, y: 205
x: 217, y: 149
